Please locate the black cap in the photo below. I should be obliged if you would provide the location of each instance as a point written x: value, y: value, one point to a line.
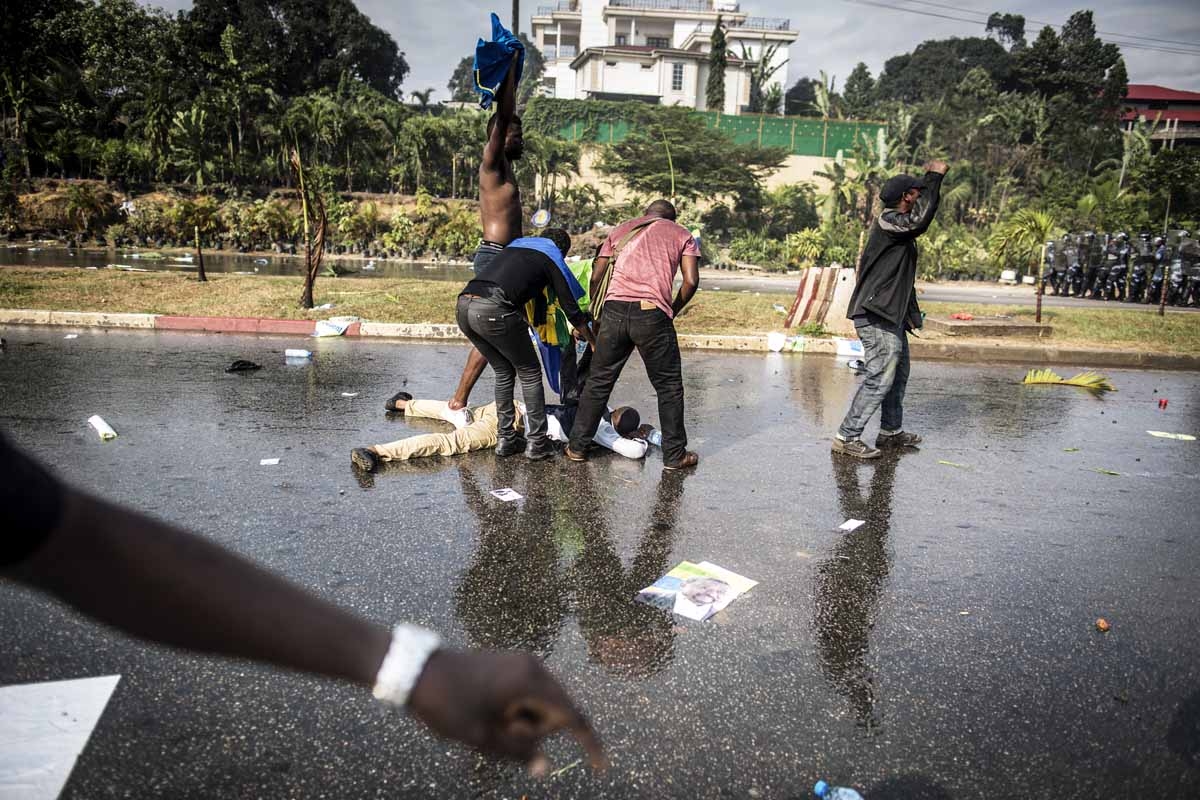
x: 895, y: 188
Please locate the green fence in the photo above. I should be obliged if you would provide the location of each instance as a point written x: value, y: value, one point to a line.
x: 802, y: 136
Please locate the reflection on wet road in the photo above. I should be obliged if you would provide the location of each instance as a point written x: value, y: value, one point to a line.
x: 850, y: 580
x: 945, y: 649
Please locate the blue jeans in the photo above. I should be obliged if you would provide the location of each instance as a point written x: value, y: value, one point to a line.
x: 885, y: 348
x: 500, y: 332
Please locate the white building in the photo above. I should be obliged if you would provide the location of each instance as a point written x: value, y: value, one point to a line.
x: 654, y: 50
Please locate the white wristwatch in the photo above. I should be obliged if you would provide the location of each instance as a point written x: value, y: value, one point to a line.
x: 406, y: 656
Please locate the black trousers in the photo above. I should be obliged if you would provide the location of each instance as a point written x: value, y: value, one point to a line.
x: 500, y: 332
x: 625, y: 326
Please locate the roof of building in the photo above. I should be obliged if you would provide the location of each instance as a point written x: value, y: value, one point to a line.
x: 1150, y: 91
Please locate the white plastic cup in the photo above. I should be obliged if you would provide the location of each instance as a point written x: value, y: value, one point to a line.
x: 297, y: 353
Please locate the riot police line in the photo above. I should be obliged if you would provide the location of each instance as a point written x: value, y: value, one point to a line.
x: 1114, y: 267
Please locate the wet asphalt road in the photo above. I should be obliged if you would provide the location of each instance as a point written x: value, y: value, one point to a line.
x: 946, y: 649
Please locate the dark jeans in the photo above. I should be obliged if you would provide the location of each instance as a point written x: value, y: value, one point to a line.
x: 500, y: 332
x: 623, y: 327
x: 885, y: 348
x: 485, y: 254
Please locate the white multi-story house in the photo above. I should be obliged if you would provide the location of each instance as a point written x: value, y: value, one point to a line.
x: 654, y: 50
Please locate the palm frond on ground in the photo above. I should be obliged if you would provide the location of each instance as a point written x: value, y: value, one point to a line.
x: 1093, y: 381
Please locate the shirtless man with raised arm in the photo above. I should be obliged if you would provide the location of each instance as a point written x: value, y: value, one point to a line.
x: 499, y: 204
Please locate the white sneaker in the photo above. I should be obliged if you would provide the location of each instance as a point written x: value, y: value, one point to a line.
x: 459, y: 419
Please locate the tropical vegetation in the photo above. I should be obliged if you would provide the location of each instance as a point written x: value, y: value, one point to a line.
x: 196, y: 117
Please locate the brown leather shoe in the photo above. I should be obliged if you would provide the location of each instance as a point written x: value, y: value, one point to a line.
x: 573, y: 456
x: 689, y: 460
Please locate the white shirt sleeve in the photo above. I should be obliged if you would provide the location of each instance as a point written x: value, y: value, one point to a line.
x: 607, y: 435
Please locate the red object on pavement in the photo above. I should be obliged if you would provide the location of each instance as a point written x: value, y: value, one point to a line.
x: 963, y: 316
x: 1162, y: 402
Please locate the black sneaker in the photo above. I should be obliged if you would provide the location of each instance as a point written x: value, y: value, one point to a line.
x: 897, y: 439
x: 510, y: 447
x: 390, y: 405
x: 364, y: 458
x: 541, y: 450
x: 854, y: 447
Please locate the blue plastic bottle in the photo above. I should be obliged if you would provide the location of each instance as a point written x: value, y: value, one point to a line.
x: 655, y: 438
x: 826, y: 792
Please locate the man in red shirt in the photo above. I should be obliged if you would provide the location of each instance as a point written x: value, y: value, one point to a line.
x: 638, y: 313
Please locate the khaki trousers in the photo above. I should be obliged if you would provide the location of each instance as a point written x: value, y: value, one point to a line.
x: 479, y: 435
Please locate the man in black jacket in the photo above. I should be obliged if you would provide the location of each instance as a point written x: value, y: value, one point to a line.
x: 884, y: 308
x: 491, y: 313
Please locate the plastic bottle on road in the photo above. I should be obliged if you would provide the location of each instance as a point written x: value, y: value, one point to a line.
x: 827, y: 792
x: 655, y: 437
x: 297, y: 353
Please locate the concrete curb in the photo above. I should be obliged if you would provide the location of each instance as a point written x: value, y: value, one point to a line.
x: 961, y: 350
x: 78, y: 319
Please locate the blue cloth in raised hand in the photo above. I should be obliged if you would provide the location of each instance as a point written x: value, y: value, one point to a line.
x: 493, y: 59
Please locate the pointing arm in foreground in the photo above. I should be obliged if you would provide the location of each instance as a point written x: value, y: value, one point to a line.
x: 163, y: 584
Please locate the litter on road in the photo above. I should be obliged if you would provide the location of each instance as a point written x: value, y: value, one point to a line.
x: 953, y: 464
x: 268, y: 462
x: 696, y: 591
x: 332, y: 327
x: 106, y: 432
x: 297, y: 353
x: 242, y: 365
x: 349, y: 394
x: 1102, y: 625
x: 507, y: 495
x: 1183, y: 437
x: 71, y: 336
x: 851, y: 524
x: 1093, y: 381
x: 1103, y: 471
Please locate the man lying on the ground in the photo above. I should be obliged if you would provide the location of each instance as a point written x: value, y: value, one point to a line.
x: 478, y: 429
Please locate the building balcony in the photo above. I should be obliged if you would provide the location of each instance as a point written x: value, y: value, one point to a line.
x: 663, y: 5
x: 561, y: 7
x: 552, y: 52
x: 763, y: 23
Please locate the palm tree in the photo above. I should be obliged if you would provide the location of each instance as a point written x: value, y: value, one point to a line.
x: 761, y: 73
x: 1019, y: 239
x: 422, y: 98
x: 190, y: 143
